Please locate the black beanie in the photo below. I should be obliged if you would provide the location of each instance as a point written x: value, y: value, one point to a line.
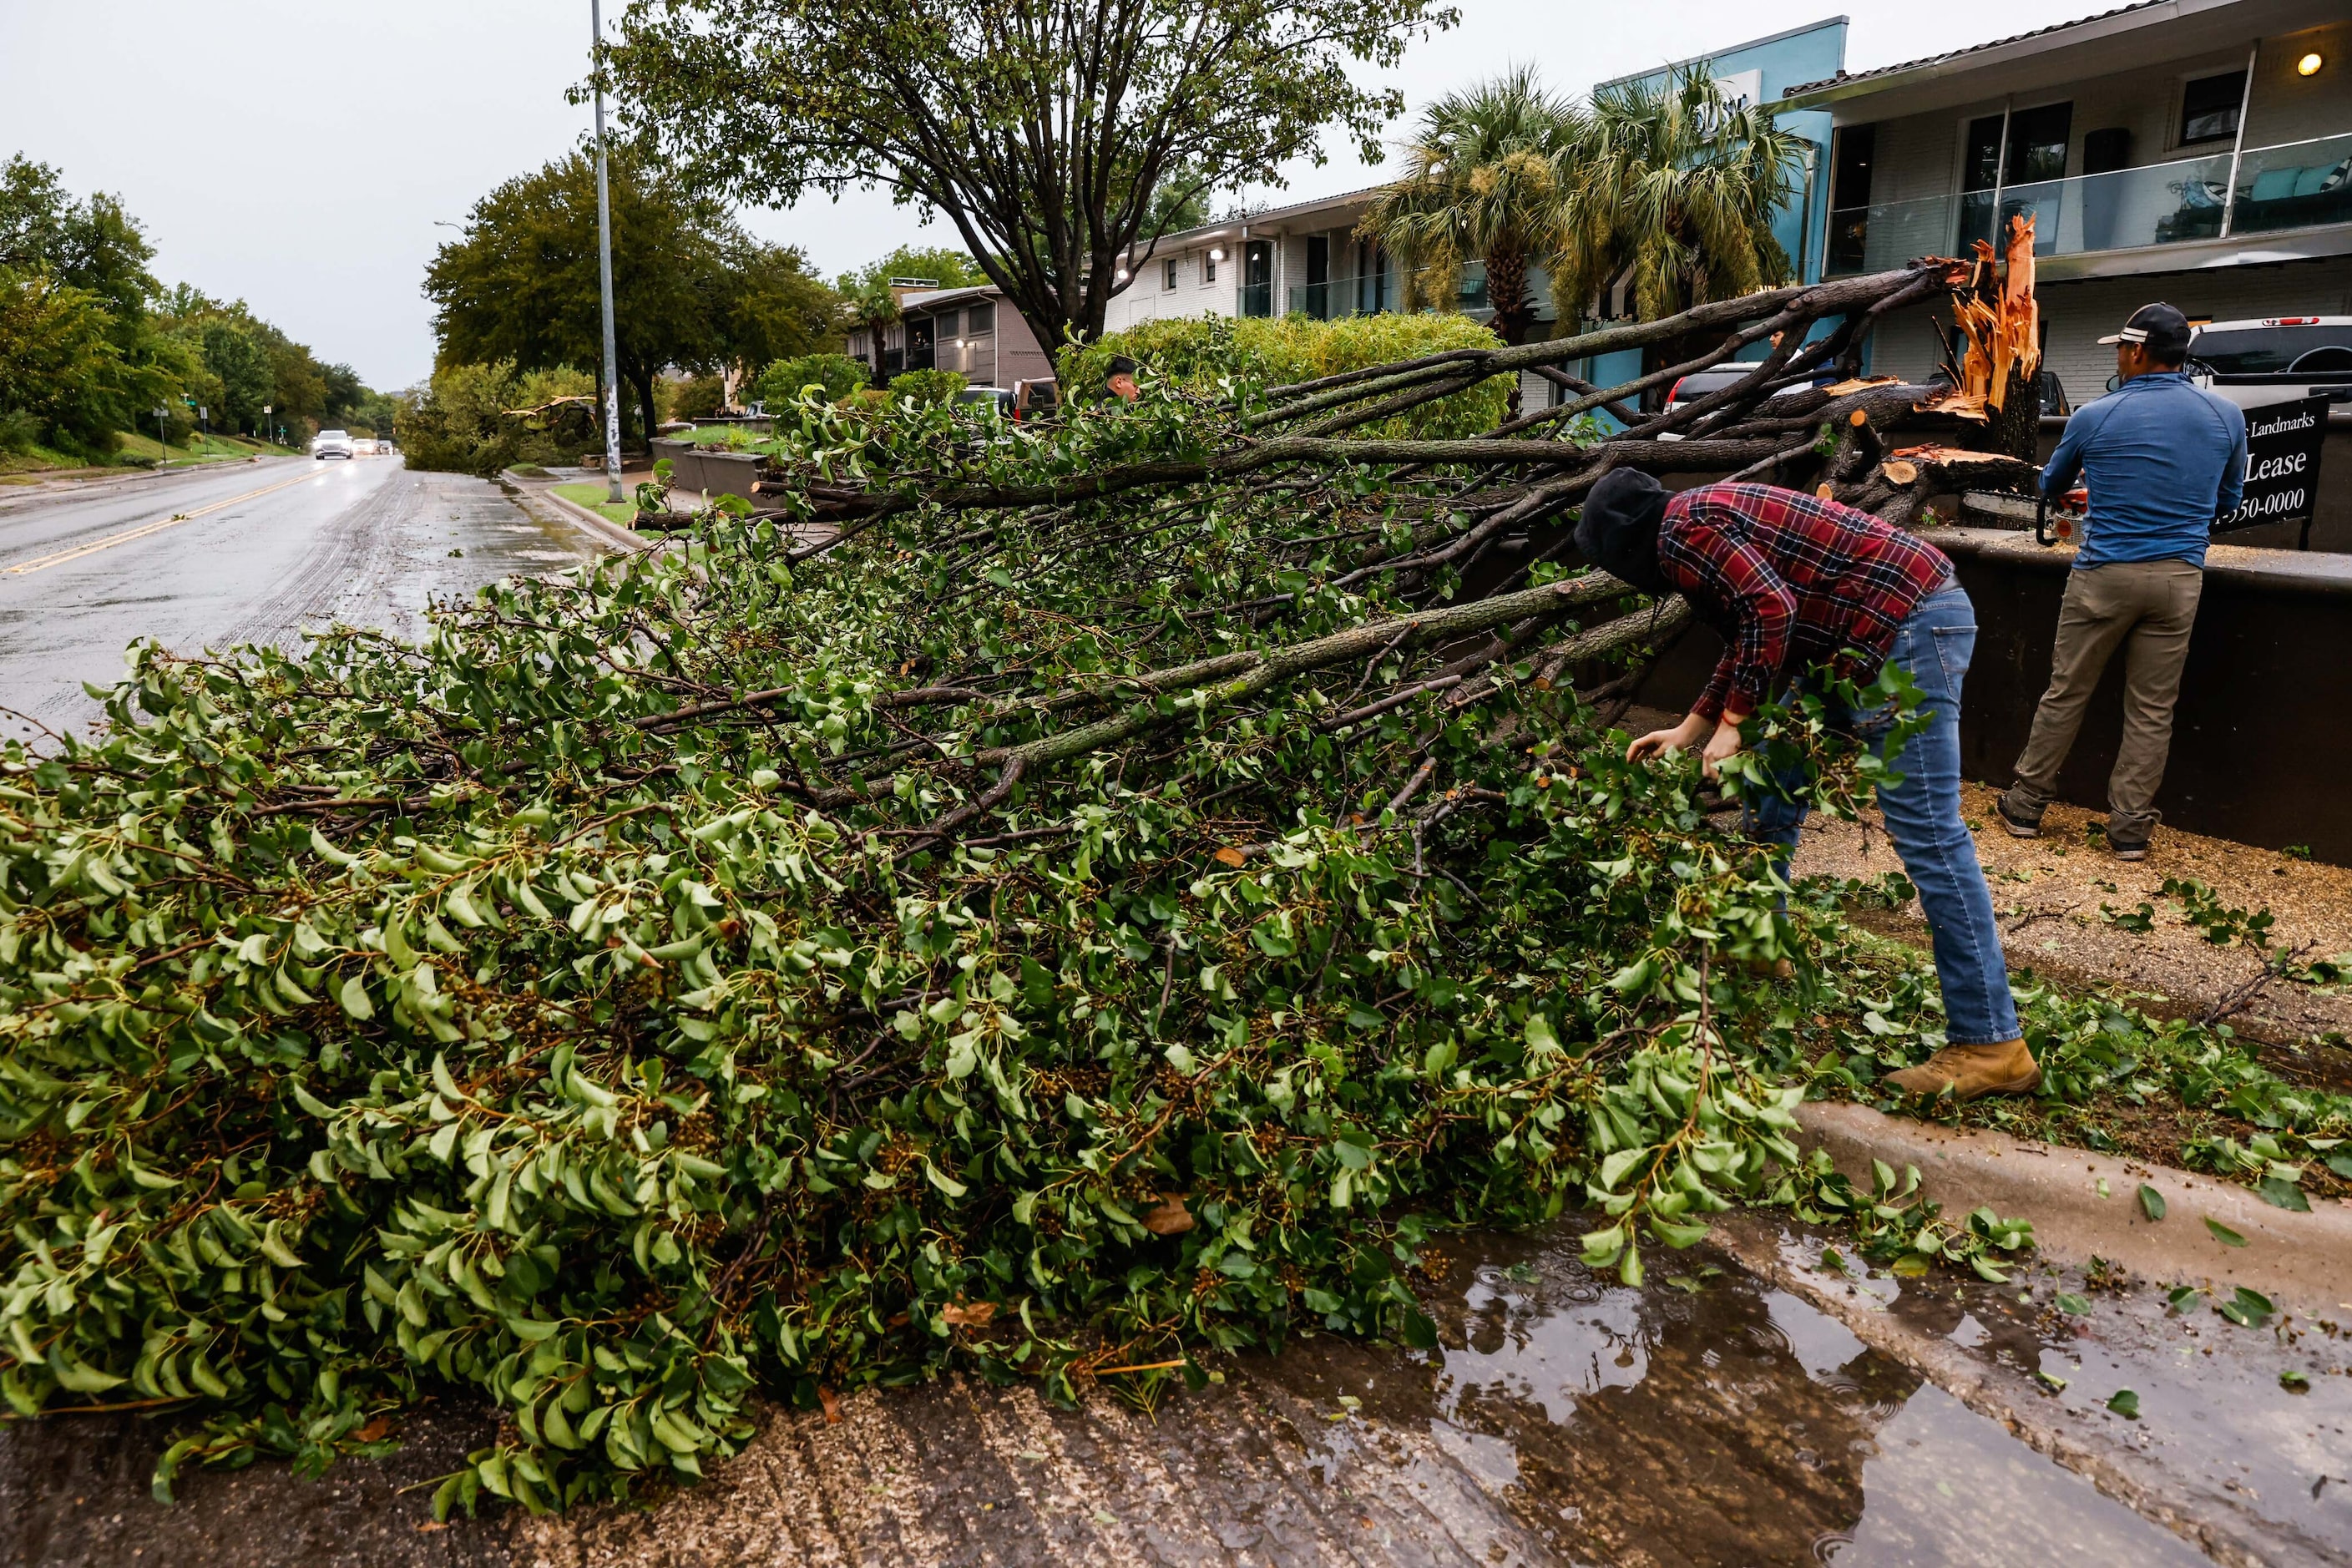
x: 1618, y: 531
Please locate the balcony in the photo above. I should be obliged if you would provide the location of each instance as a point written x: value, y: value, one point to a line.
x: 1364, y: 295
x: 2291, y: 185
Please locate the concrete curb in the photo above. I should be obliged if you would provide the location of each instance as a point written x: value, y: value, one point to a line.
x: 2304, y: 1258
x: 597, y: 524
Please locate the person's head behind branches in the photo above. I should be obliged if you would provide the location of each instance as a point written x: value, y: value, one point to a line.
x: 1119, y: 379
x: 1617, y: 528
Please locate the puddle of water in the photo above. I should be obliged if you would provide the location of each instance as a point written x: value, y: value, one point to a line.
x: 1731, y: 1422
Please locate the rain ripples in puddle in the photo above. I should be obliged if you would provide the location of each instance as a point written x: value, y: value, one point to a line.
x: 1711, y: 1419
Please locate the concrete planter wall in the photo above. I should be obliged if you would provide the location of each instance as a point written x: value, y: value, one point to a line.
x: 700, y: 471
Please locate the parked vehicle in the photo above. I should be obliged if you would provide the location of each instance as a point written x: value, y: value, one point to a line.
x: 1002, y: 396
x: 1036, y: 399
x: 328, y: 444
x: 1700, y: 383
x: 2276, y: 360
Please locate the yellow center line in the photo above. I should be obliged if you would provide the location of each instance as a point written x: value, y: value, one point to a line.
x: 59, y: 557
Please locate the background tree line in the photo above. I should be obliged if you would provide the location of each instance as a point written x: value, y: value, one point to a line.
x: 91, y: 343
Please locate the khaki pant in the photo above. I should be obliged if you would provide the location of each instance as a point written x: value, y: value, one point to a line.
x: 2154, y: 605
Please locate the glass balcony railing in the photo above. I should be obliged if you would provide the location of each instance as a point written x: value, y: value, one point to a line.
x: 1253, y: 299
x: 1360, y: 296
x: 2292, y: 186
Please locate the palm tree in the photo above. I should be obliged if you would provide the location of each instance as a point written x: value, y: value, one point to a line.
x: 1671, y: 187
x: 1482, y: 183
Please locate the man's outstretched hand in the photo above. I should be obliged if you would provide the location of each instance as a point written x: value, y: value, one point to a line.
x: 1722, y: 739
x: 1666, y: 742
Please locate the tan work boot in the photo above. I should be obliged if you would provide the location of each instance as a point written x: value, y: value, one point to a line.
x: 1968, y: 1071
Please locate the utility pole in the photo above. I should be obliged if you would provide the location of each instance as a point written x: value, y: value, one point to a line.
x: 605, y: 270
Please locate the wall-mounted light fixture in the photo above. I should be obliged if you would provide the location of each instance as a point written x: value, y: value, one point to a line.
x: 959, y: 342
x: 1122, y: 274
x: 2309, y: 65
x: 1216, y: 253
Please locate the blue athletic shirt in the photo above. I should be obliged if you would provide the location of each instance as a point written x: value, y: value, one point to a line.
x: 2163, y: 458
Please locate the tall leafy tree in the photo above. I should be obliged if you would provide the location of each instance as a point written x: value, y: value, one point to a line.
x: 1671, y: 188
x: 1483, y: 181
x: 690, y: 288
x: 1043, y: 131
x: 80, y: 355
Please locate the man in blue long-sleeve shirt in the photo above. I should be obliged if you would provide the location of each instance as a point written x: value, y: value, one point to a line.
x: 2163, y: 458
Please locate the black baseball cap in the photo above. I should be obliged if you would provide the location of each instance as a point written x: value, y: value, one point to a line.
x: 2159, y: 328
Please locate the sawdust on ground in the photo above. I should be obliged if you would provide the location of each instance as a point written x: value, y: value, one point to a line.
x: 2053, y: 895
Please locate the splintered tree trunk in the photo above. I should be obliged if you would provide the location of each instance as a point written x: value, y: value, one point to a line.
x: 2014, y: 429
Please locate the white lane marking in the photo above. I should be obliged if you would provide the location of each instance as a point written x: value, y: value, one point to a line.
x: 59, y: 557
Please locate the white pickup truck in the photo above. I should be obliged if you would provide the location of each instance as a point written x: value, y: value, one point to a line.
x: 2280, y: 360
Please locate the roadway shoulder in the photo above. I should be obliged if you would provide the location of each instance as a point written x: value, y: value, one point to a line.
x: 601, y: 528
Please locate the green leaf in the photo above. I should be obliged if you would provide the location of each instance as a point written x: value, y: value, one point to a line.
x: 2284, y: 1194
x: 945, y: 1183
x: 2125, y: 1403
x: 2223, y: 1233
x: 2070, y: 1303
x: 1540, y: 1040
x: 2151, y: 1201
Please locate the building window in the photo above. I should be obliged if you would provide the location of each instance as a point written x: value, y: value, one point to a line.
x: 2037, y: 143
x: 2208, y: 105
x: 1209, y: 268
x: 1850, y: 162
x: 1980, y: 162
x: 982, y: 320
x: 1257, y: 278
x: 2035, y: 155
x: 1167, y: 273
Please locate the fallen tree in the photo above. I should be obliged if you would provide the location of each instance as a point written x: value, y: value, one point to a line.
x: 1050, y: 901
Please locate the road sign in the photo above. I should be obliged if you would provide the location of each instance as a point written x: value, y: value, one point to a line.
x: 2282, y: 442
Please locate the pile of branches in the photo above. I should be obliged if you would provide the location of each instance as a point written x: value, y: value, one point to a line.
x: 1051, y: 901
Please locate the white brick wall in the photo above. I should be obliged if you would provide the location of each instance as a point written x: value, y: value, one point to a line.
x: 1148, y: 297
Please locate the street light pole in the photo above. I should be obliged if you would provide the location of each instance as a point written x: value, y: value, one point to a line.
x: 604, y: 271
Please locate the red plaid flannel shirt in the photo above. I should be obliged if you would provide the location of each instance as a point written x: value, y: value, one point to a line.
x: 1791, y: 582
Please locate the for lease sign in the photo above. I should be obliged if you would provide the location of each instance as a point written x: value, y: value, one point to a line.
x: 2282, y: 463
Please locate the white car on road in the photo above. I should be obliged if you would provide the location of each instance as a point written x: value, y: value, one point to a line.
x: 328, y: 444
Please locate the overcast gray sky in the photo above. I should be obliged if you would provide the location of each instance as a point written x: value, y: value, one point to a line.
x: 300, y: 155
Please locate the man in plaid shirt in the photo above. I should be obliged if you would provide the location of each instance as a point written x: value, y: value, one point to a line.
x: 1800, y: 587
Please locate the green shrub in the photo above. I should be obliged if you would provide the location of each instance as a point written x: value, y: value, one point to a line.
x: 782, y: 381
x: 929, y: 386
x: 458, y: 422
x: 1222, y: 356
x: 698, y: 397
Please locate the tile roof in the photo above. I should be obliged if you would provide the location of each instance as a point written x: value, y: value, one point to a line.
x: 1842, y: 78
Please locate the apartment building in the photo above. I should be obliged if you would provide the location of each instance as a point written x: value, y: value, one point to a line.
x: 1307, y: 259
x: 2193, y: 151
x: 1300, y: 259
x: 971, y: 331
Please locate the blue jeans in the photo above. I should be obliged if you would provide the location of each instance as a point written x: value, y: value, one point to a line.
x: 1923, y: 818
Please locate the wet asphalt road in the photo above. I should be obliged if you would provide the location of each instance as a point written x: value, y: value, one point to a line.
x: 243, y: 552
